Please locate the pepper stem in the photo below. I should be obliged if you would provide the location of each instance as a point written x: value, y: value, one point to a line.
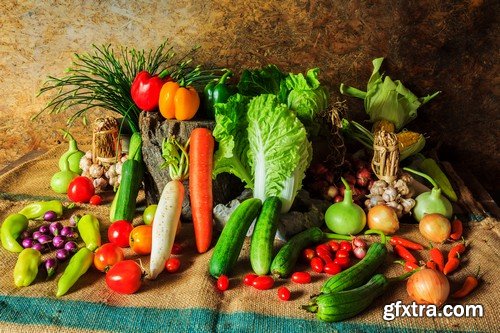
x: 337, y: 236
x: 421, y: 174
x: 224, y: 77
x: 403, y: 276
x: 383, y: 238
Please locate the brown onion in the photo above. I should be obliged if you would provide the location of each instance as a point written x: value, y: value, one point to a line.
x: 428, y: 286
x: 383, y: 218
x: 435, y: 227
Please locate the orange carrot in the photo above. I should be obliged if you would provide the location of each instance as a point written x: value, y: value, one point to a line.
x: 469, y: 285
x: 200, y: 186
x: 451, y: 265
x: 437, y: 257
x: 456, y: 230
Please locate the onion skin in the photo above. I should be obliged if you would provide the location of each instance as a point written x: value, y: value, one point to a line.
x: 428, y: 286
x: 383, y: 218
x: 435, y: 227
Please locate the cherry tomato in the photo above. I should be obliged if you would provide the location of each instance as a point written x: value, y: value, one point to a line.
x: 346, y: 246
x: 301, y: 277
x: 223, y: 283
x: 176, y: 248
x: 81, y: 189
x: 140, y: 239
x: 323, y: 251
x: 342, y: 262
x: 317, y: 264
x: 172, y: 265
x: 149, y: 214
x: 334, y: 246
x: 342, y: 254
x: 332, y: 268
x: 284, y: 293
x: 248, y: 279
x: 106, y: 256
x: 125, y: 277
x: 263, y: 282
x: 308, y: 254
x: 95, y: 200
x: 119, y: 233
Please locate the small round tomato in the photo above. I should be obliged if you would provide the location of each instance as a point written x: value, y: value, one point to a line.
x: 332, y: 268
x: 95, y: 200
x: 223, y: 283
x: 342, y: 262
x: 284, y: 293
x: 248, y: 279
x: 342, y: 254
x: 301, y: 277
x: 334, y: 245
x: 149, y: 214
x: 308, y: 254
x: 172, y: 265
x: 119, y: 233
x: 106, y: 256
x: 317, y: 264
x: 346, y: 246
x: 140, y: 239
x: 125, y: 277
x: 263, y: 282
x: 81, y: 189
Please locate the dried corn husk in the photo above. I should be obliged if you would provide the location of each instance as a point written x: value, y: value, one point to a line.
x: 385, y: 162
x: 410, y: 143
x: 385, y: 125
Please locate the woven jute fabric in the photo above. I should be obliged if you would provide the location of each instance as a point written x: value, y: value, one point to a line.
x: 187, y: 301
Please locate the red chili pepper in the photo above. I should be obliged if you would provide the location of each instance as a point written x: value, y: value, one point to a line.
x: 408, y: 265
x: 403, y: 252
x: 395, y: 240
x: 469, y: 285
x: 438, y: 257
x: 456, y: 250
x: 145, y: 89
x: 451, y: 265
x: 456, y: 230
x: 431, y: 265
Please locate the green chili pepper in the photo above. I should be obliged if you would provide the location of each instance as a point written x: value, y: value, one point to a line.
x: 36, y: 210
x: 26, y: 267
x: 88, y: 227
x: 218, y: 91
x: 12, y: 227
x: 77, y: 266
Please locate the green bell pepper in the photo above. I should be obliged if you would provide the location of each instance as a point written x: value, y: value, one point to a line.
x: 11, y: 228
x: 217, y: 91
x: 88, y: 227
x: 26, y: 267
x: 77, y: 266
x: 36, y: 210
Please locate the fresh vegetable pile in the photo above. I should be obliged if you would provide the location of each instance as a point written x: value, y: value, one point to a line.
x: 264, y: 126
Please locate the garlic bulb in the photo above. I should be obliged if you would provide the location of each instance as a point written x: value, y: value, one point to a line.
x: 85, y: 163
x: 118, y: 168
x: 96, y: 170
x: 100, y: 183
x: 407, y: 204
x: 390, y: 194
x: 88, y: 155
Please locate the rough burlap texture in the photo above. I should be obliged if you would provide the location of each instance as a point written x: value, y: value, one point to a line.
x: 191, y: 290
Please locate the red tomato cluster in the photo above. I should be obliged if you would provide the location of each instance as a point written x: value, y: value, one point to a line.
x: 331, y: 257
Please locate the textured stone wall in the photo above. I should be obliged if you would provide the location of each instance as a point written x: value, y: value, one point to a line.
x: 430, y: 45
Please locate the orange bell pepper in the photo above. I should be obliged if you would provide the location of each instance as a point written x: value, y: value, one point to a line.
x: 176, y: 102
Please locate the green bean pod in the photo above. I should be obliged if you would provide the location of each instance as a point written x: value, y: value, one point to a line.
x: 11, y: 228
x: 88, y: 227
x: 36, y: 210
x: 78, y: 265
x: 26, y: 268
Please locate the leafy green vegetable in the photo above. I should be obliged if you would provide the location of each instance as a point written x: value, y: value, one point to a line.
x: 388, y: 99
x: 267, y: 80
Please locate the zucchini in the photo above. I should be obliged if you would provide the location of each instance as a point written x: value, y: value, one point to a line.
x: 124, y: 202
x: 230, y: 242
x: 284, y: 262
x: 345, y: 304
x: 261, y: 246
x: 358, y: 274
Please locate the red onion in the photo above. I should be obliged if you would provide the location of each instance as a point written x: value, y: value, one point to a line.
x: 49, y: 215
x: 358, y: 242
x: 359, y: 252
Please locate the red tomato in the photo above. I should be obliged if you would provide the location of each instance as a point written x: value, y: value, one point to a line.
x: 248, y: 280
x: 223, y: 283
x: 342, y: 262
x: 95, y: 200
x: 125, y: 277
x: 335, y: 246
x: 308, y: 254
x: 140, y: 239
x: 172, y: 265
x: 342, y: 254
x: 263, y: 282
x: 81, y: 189
x: 119, y: 233
x: 284, y: 293
x: 176, y: 248
x: 106, y: 256
x: 323, y: 251
x: 332, y: 268
x: 317, y: 264
x: 346, y: 246
x: 301, y: 277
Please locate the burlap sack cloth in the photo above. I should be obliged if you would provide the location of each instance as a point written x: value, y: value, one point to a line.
x: 188, y: 301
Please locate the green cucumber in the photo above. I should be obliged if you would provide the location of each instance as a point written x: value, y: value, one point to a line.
x: 261, y: 246
x: 358, y: 274
x: 284, y: 262
x: 230, y: 242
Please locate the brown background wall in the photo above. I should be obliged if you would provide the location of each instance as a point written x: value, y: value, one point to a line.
x: 429, y: 44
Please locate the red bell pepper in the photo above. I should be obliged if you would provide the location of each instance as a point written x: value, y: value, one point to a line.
x: 145, y: 89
